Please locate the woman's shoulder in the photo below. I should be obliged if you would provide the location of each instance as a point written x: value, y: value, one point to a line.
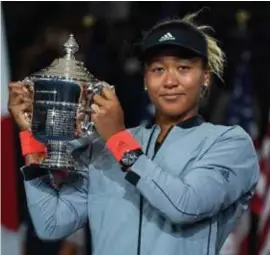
x: 225, y: 131
x: 137, y: 130
x: 234, y: 131
x: 208, y: 131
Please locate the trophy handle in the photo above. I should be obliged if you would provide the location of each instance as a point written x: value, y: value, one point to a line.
x: 29, y: 89
x: 87, y: 126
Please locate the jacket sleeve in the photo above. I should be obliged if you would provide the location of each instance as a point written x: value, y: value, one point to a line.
x: 227, y: 172
x: 57, y: 213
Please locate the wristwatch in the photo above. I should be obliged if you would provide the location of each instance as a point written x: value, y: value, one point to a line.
x: 130, y: 157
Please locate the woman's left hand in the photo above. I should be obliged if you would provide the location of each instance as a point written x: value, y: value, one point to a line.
x: 107, y: 114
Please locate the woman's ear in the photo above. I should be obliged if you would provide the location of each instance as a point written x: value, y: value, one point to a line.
x: 144, y: 76
x: 144, y: 84
x: 206, y: 77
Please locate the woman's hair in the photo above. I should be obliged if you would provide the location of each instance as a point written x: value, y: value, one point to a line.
x: 216, y: 56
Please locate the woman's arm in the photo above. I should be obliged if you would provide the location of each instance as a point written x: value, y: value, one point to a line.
x: 227, y: 172
x: 57, y: 213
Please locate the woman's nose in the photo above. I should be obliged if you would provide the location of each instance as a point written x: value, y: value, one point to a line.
x: 171, y: 80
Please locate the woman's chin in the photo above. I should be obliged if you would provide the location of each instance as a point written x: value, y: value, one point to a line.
x: 173, y: 110
x: 173, y: 113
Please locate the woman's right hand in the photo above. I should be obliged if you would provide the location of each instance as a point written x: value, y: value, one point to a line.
x: 20, y: 102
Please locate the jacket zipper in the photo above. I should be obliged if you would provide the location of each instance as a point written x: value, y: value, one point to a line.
x: 141, y: 197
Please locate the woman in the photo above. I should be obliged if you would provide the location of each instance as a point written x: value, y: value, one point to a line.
x: 175, y: 186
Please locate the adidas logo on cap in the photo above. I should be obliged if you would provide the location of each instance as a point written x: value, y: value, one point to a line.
x: 166, y: 37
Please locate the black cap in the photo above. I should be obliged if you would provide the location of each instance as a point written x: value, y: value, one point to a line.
x: 177, y: 35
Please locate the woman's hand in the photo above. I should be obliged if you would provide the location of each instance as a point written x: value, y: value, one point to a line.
x: 107, y: 114
x: 20, y: 102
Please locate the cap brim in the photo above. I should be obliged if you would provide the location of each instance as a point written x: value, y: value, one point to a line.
x: 156, y: 49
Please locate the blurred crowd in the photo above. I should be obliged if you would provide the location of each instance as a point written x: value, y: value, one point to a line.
x: 108, y: 33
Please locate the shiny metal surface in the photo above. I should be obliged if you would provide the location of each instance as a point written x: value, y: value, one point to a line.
x: 57, y: 158
x: 62, y: 96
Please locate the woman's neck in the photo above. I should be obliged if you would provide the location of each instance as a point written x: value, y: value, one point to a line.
x: 166, y: 122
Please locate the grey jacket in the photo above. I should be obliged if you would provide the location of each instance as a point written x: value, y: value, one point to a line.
x: 183, y: 200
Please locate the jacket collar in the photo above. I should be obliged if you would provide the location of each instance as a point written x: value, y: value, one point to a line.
x: 188, y: 123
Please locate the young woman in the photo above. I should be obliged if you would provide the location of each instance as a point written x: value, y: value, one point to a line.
x: 175, y: 186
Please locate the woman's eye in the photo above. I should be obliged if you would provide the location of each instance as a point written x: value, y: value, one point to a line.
x: 157, y: 69
x: 184, y: 68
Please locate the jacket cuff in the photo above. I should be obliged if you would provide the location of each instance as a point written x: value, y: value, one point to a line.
x: 142, y: 169
x: 132, y: 177
x: 33, y: 171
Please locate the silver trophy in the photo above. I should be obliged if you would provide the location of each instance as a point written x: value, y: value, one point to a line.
x: 62, y: 95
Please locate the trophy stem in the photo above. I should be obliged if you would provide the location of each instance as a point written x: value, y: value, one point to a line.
x: 57, y: 156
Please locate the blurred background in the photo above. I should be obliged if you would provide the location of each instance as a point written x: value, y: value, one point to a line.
x: 32, y: 35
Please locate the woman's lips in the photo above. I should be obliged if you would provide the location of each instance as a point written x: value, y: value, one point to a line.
x: 171, y: 96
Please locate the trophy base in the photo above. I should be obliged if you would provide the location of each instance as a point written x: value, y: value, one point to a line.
x: 57, y: 167
x: 57, y: 157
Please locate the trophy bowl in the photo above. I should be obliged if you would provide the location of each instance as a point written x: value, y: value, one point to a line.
x: 62, y: 95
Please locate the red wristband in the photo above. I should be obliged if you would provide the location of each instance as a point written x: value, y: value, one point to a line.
x: 29, y: 144
x: 121, y: 142
x: 34, y: 160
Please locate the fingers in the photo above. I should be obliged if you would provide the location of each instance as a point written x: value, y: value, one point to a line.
x: 15, y: 90
x: 20, y: 87
x: 21, y: 109
x: 95, y: 112
x: 18, y: 93
x: 15, y: 99
x: 28, y: 91
x: 109, y: 93
x: 100, y: 100
x: 14, y: 85
x: 18, y: 103
x: 18, y: 98
x: 26, y: 107
x: 95, y: 109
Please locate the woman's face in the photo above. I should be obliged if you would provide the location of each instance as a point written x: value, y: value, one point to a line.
x: 174, y: 83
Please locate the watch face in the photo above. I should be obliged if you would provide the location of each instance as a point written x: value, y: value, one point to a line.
x: 129, y: 158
